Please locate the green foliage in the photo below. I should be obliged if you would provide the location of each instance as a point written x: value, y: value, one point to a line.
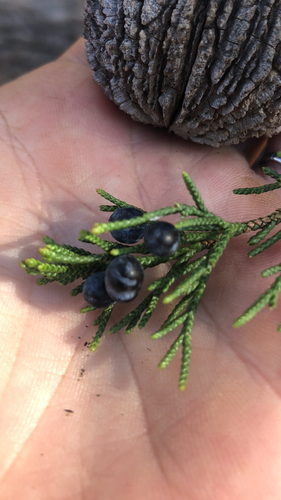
x: 267, y: 224
x: 266, y: 244
x: 262, y: 189
x: 203, y: 239
x: 258, y: 237
x: 269, y: 297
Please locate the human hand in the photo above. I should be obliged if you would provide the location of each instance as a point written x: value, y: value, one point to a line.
x: 132, y: 433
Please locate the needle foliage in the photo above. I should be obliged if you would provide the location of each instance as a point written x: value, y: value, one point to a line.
x: 203, y: 239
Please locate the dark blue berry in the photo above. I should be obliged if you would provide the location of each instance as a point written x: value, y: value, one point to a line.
x: 161, y: 238
x: 130, y: 235
x: 124, y: 278
x: 94, y: 290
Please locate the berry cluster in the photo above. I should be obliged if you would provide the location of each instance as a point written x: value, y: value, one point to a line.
x: 123, y: 278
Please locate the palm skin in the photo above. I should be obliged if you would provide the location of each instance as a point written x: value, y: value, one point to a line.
x: 132, y: 433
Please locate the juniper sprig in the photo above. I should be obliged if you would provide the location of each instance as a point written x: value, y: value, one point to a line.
x: 203, y: 239
x: 262, y: 189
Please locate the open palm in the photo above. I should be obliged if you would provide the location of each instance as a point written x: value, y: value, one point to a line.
x: 131, y: 434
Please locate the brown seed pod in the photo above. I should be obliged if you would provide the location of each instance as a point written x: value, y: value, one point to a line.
x: 208, y: 70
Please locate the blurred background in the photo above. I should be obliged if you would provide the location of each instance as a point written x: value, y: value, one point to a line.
x: 35, y: 32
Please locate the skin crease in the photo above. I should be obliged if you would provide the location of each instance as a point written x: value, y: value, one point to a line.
x: 131, y: 434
